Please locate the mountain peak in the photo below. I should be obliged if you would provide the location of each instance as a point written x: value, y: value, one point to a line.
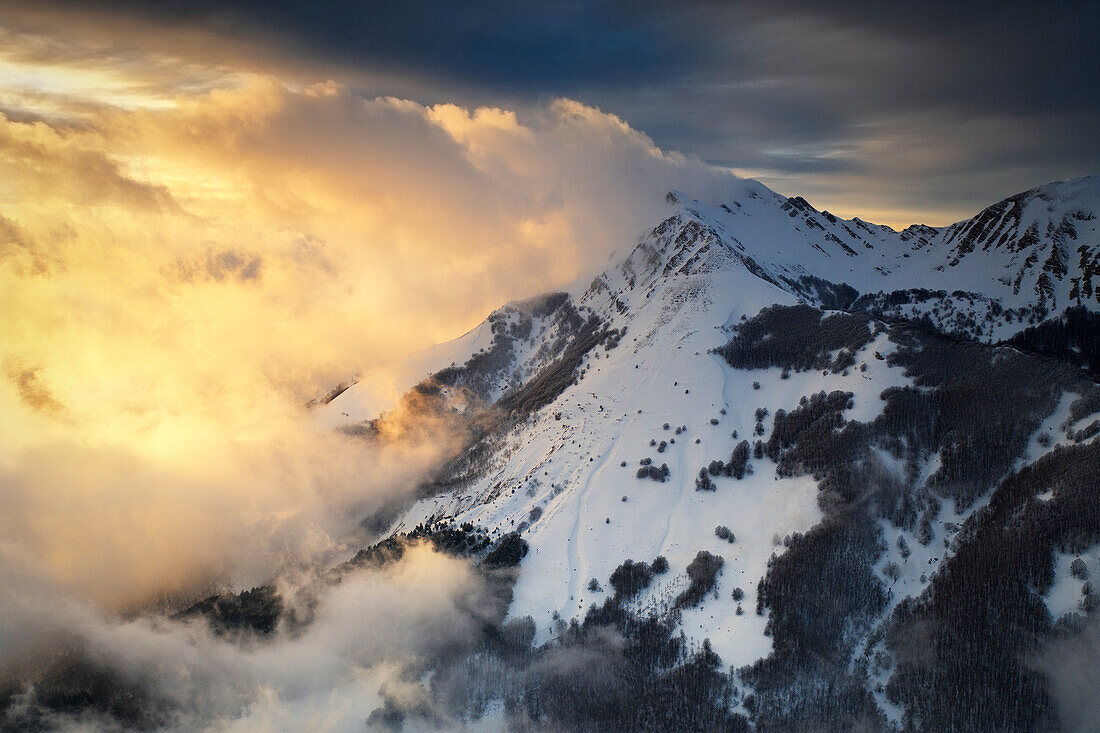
x: 1033, y: 253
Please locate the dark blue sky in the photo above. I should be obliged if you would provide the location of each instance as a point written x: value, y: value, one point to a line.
x: 927, y: 104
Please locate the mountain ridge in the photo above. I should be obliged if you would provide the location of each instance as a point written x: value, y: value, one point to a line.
x: 979, y: 312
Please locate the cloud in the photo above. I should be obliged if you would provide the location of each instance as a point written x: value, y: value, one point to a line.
x: 47, y: 163
x: 208, y: 258
x: 32, y: 391
x: 12, y: 236
x: 1072, y: 668
x: 803, y: 96
x: 367, y: 638
x: 554, y: 44
x: 220, y: 266
x: 792, y: 92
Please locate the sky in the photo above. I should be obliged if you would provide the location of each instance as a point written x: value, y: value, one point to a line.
x: 213, y: 212
x: 898, y: 112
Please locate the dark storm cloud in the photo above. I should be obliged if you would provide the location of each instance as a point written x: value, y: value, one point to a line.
x: 1016, y: 56
x: 922, y: 104
x: 510, y: 46
x: 910, y: 107
x: 1011, y: 55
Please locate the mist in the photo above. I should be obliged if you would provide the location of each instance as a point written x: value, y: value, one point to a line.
x: 185, y: 263
x: 366, y: 640
x: 1071, y: 667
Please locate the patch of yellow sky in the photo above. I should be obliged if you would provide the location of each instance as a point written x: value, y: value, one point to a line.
x: 44, y: 89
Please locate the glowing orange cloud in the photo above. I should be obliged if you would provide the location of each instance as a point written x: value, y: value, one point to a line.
x: 189, y: 253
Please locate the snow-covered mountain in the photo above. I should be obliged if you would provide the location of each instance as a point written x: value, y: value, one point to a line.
x: 1020, y: 263
x: 1015, y: 263
x: 777, y: 402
